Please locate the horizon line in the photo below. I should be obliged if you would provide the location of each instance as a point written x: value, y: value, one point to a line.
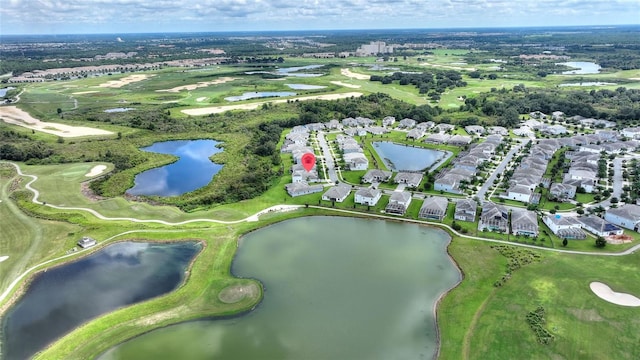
x: 326, y: 30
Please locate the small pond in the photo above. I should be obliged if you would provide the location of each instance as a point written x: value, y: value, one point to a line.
x: 259, y: 94
x: 3, y: 91
x: 407, y: 158
x: 66, y: 296
x: 192, y: 171
x: 305, y: 86
x: 117, y: 110
x: 582, y: 67
x: 587, y: 83
x: 366, y: 289
x: 290, y: 71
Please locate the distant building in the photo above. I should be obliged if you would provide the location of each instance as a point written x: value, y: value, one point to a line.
x: 374, y: 48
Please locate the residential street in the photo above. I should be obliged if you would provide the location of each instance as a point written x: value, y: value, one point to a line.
x: 500, y: 168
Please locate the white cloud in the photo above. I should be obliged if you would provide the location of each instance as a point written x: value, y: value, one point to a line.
x: 59, y: 16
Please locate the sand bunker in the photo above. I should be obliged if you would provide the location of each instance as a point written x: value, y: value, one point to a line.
x: 201, y: 99
x: 604, y: 292
x: 124, y: 81
x: 3, y: 258
x: 15, y: 116
x: 96, y: 170
x: 253, y: 106
x: 348, y: 73
x: 85, y: 92
x: 346, y: 85
x: 198, y: 85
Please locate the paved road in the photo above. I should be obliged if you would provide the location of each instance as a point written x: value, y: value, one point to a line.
x: 327, y: 156
x: 500, y: 169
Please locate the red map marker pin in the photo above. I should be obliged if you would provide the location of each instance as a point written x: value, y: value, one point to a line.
x: 308, y: 161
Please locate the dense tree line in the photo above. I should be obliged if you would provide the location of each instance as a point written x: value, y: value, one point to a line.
x: 432, y: 83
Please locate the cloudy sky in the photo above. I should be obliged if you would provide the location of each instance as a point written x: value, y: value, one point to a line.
x: 126, y: 16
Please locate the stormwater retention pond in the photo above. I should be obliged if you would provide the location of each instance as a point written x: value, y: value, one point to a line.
x: 335, y: 288
x: 64, y: 297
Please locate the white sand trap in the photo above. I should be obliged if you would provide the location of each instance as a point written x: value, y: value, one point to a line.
x: 201, y: 99
x: 348, y: 73
x: 198, y: 85
x: 346, y: 85
x: 15, y: 116
x: 124, y: 81
x: 3, y: 258
x: 85, y: 92
x: 604, y: 292
x: 252, y: 106
x: 96, y: 170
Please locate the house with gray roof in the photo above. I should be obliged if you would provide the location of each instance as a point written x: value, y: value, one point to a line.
x: 302, y: 188
x: 565, y: 227
x: 406, y: 123
x: 437, y: 138
x: 466, y: 210
x: 459, y: 140
x: 627, y: 216
x: 333, y: 124
x: 498, y: 130
x: 415, y: 134
x: 398, y: 203
x: 562, y: 191
x: 424, y: 126
x: 376, y: 176
x: 494, y: 218
x: 444, y: 127
x: 598, y: 226
x: 367, y: 196
x: 474, y: 130
x: 434, y: 208
x: 631, y: 132
x: 524, y: 222
x: 519, y: 192
x: 412, y: 179
x: 388, y: 121
x: 350, y: 122
x: 337, y: 193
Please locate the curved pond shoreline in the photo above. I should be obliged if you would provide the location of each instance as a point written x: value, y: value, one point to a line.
x: 422, y: 235
x: 166, y: 264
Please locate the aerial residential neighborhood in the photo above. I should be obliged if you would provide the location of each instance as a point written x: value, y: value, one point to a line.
x: 538, y: 173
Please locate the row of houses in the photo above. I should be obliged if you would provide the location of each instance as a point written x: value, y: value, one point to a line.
x: 560, y: 116
x: 296, y: 143
x: 571, y: 227
x: 495, y: 217
x: 465, y: 166
x: 352, y: 153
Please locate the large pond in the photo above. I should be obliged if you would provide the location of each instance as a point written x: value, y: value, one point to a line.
x: 407, y: 158
x: 64, y: 297
x: 336, y: 288
x: 582, y: 67
x: 192, y: 171
x: 3, y: 91
x: 259, y: 94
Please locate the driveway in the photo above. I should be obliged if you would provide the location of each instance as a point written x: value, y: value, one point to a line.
x: 500, y: 168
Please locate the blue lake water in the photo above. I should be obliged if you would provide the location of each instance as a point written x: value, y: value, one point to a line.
x: 259, y: 94
x: 3, y: 92
x: 366, y: 289
x: 305, y: 86
x: 116, y: 110
x: 64, y: 297
x: 192, y: 171
x: 290, y: 71
x: 582, y: 67
x: 406, y: 158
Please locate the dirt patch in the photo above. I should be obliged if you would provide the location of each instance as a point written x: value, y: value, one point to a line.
x: 198, y: 85
x: 586, y: 315
x: 348, y: 73
x: 162, y: 316
x: 15, y: 116
x: 351, y: 86
x: 235, y: 293
x: 124, y: 81
x: 252, y: 106
x: 619, y: 239
x: 604, y: 292
x: 96, y: 170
